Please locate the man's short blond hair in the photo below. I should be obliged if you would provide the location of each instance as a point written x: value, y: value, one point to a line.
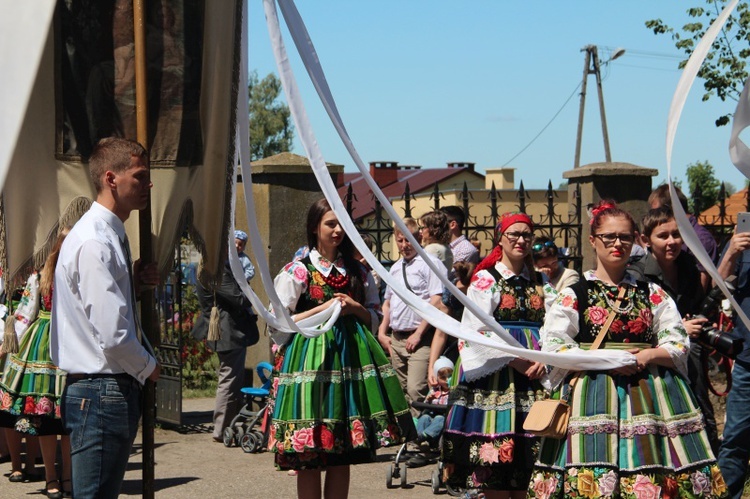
x: 113, y: 154
x: 410, y: 223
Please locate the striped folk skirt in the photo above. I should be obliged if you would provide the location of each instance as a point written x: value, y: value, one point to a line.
x: 484, y: 444
x: 630, y: 436
x: 337, y: 399
x: 31, y: 385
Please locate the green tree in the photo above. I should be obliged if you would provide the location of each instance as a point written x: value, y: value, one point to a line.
x: 723, y: 71
x: 702, y: 185
x: 271, y: 131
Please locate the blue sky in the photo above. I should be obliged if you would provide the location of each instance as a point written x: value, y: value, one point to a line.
x: 430, y: 82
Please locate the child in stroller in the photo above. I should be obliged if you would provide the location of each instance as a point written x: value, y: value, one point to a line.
x: 432, y: 418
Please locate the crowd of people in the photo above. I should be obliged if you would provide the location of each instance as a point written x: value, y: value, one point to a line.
x: 382, y: 375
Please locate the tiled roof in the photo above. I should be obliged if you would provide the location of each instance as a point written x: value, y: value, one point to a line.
x: 363, y: 203
x: 735, y: 203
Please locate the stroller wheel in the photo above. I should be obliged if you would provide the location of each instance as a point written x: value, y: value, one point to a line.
x: 403, y: 477
x: 435, y: 481
x: 239, y: 432
x: 260, y: 438
x: 389, y: 477
x: 248, y: 443
x: 228, y: 436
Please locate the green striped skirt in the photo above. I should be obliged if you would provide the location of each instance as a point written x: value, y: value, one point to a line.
x: 629, y: 436
x: 337, y: 399
x: 31, y: 385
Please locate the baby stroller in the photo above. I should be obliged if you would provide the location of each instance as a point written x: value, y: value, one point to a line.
x: 397, y: 469
x: 244, y: 428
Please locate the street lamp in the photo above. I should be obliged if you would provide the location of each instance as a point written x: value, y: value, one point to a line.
x: 592, y: 65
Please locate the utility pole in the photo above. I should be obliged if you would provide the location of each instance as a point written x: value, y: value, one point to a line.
x: 592, y: 66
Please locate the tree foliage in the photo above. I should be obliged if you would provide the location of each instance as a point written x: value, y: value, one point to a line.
x: 723, y: 71
x: 271, y: 131
x: 702, y: 185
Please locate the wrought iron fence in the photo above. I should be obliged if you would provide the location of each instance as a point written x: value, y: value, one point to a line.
x: 560, y: 221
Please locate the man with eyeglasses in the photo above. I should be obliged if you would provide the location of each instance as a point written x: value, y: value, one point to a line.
x: 545, y: 255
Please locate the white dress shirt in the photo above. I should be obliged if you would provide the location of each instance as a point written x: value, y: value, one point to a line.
x: 423, y: 282
x: 93, y: 325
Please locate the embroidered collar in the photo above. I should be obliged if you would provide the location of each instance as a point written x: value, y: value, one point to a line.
x: 324, y: 266
x: 627, y: 279
x: 507, y: 273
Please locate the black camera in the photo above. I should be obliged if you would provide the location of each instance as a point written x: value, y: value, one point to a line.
x: 709, y: 335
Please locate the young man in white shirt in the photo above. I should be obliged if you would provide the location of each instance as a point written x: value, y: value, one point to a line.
x: 95, y: 334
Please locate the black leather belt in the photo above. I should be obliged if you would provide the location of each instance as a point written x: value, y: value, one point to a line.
x: 403, y: 333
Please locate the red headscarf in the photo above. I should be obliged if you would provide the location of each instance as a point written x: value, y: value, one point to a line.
x: 506, y: 221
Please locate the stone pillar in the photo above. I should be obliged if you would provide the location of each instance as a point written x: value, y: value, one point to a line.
x: 627, y: 184
x: 284, y: 187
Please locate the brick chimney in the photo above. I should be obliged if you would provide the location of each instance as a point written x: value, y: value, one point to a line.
x: 456, y: 164
x: 384, y: 172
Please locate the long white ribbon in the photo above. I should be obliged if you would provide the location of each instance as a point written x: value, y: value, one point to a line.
x: 737, y: 148
x: 605, y: 359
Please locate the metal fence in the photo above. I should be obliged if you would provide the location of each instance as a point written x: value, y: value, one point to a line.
x: 721, y: 225
x: 560, y: 221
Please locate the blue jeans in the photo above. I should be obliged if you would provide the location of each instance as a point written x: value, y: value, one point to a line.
x: 430, y: 426
x: 101, y: 415
x: 735, y: 451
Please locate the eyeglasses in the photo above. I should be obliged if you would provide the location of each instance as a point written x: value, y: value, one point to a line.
x: 420, y: 227
x: 610, y: 238
x: 545, y: 244
x: 515, y: 236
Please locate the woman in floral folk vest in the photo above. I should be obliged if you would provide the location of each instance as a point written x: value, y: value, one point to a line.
x: 484, y: 445
x: 337, y: 396
x: 636, y: 431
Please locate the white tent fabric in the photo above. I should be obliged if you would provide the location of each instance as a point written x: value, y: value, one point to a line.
x: 24, y: 26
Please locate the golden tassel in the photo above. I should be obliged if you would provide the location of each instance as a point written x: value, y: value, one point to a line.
x: 10, y: 340
x: 214, y: 327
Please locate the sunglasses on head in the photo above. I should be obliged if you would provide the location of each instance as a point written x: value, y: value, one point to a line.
x: 545, y: 244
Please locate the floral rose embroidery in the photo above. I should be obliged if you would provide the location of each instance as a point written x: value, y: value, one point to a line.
x: 272, y: 441
x: 5, y: 402
x: 358, y: 433
x: 506, y: 451
x: 644, y: 489
x: 718, y: 485
x: 587, y: 485
x: 301, y: 439
x: 324, y: 437
x: 647, y: 316
x: 482, y: 281
x: 44, y: 406
x: 488, y: 453
x: 543, y: 489
x: 536, y: 302
x: 29, y: 407
x: 597, y: 315
x: 300, y: 273
x: 700, y: 483
x: 316, y: 293
x: 616, y: 326
x: 507, y: 301
x: 655, y: 298
x: 568, y: 302
x: 637, y: 326
x: 607, y: 483
x: 669, y: 488
x: 480, y: 475
x: 318, y: 278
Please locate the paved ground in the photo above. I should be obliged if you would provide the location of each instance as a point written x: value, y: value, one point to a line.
x: 189, y: 464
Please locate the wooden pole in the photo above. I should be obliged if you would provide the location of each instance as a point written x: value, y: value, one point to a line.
x: 148, y: 312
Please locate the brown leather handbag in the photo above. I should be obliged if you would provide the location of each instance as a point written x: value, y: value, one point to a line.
x: 549, y: 418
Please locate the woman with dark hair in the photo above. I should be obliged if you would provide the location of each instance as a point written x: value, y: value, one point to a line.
x: 547, y: 261
x: 435, y: 234
x: 337, y: 397
x: 634, y: 431
x: 484, y: 444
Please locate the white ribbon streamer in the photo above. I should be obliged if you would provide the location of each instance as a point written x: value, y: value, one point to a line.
x: 604, y: 359
x: 686, y: 81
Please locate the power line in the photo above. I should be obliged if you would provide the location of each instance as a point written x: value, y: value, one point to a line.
x: 545, y: 126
